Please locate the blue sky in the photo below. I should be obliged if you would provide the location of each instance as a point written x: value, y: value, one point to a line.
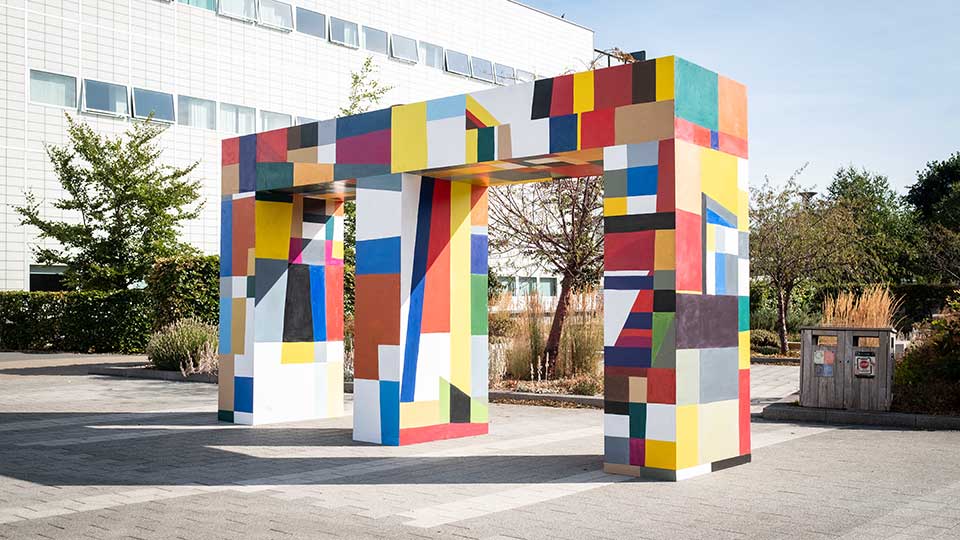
x: 871, y: 83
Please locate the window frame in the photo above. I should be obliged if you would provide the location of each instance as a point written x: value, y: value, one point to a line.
x: 133, y: 105
x: 238, y: 17
x: 220, y: 127
x: 496, y: 74
x: 304, y: 120
x: 216, y: 112
x: 76, y: 90
x: 326, y: 23
x: 265, y: 128
x: 386, y: 43
x: 473, y: 71
x: 446, y: 63
x: 416, y: 49
x: 89, y: 110
x: 187, y: 3
x: 261, y: 22
x: 541, y: 280
x: 423, y: 56
x: 342, y: 43
x: 533, y: 76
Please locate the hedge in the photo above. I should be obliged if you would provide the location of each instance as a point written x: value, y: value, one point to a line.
x: 77, y: 321
x: 185, y: 287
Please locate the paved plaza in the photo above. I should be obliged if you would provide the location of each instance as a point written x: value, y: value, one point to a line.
x: 97, y: 457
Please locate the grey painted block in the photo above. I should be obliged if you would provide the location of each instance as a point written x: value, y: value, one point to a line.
x: 719, y: 374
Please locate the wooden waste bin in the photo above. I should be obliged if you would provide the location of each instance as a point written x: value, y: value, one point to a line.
x: 847, y: 368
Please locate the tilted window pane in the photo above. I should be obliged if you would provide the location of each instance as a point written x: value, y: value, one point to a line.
x: 149, y: 101
x: 276, y: 14
x: 311, y: 22
x: 237, y: 119
x: 403, y: 48
x: 244, y: 9
x: 528, y: 285
x: 344, y: 32
x: 205, y: 4
x: 301, y: 120
x: 524, y: 76
x: 505, y: 74
x: 458, y: 63
x: 509, y: 285
x: 374, y: 40
x: 271, y: 120
x: 105, y: 97
x: 53, y: 89
x: 432, y: 54
x: 548, y: 286
x: 197, y: 112
x: 482, y: 69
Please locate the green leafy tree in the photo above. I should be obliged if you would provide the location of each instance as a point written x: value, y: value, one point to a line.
x: 129, y: 205
x: 936, y: 193
x: 796, y: 239
x: 365, y: 91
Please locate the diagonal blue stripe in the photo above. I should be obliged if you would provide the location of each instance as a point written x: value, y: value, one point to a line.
x: 417, y: 282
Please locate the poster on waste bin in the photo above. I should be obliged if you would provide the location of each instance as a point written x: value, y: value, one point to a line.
x: 823, y: 360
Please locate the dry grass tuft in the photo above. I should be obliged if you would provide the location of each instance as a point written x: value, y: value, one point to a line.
x: 876, y: 307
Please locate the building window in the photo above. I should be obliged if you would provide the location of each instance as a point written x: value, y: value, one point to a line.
x: 147, y: 102
x: 53, y: 89
x: 237, y: 119
x: 403, y: 48
x: 47, y: 278
x: 527, y: 286
x: 505, y: 74
x: 509, y: 285
x: 458, y: 63
x: 239, y: 9
x: 482, y: 69
x: 548, y: 286
x: 525, y: 76
x: 432, y: 54
x: 271, y: 120
x: 301, y: 120
x: 276, y: 14
x: 105, y: 97
x: 311, y: 22
x: 344, y: 32
x: 196, y: 112
x: 374, y: 40
x: 205, y: 4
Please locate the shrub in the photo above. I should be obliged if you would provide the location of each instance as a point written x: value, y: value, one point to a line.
x: 927, y: 378
x: 587, y: 385
x: 75, y: 321
x: 875, y: 307
x: 187, y: 345
x: 763, y: 338
x: 524, y: 353
x: 185, y: 287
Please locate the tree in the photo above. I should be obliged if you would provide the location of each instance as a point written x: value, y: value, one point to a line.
x: 882, y: 221
x: 558, y: 223
x: 130, y: 207
x: 365, y: 91
x: 796, y: 239
x: 936, y: 193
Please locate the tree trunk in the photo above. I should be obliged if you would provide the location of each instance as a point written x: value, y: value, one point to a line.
x: 553, y: 340
x: 783, y: 307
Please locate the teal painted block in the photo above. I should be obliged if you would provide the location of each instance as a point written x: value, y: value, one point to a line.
x: 274, y: 175
x: 638, y: 420
x: 697, y: 94
x: 743, y: 310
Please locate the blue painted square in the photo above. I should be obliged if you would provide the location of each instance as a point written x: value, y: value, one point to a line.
x: 478, y: 254
x: 390, y: 413
x: 563, y: 133
x: 359, y: 124
x: 721, y: 273
x: 446, y: 107
x: 248, y: 163
x: 379, y: 256
x: 714, y: 140
x: 243, y: 394
x: 717, y: 219
x: 318, y: 302
x: 225, y: 330
x: 628, y: 283
x: 642, y: 181
x: 627, y: 357
x: 226, y: 237
x: 643, y: 321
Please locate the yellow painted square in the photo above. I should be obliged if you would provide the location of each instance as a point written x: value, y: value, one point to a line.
x: 665, y: 248
x: 583, y: 91
x: 719, y: 426
x: 688, y: 450
x: 408, y: 137
x: 419, y: 414
x: 665, y: 78
x: 660, y: 454
x: 460, y: 370
x: 687, y: 177
x: 298, y: 352
x: 638, y: 389
x: 743, y: 347
x: 743, y: 210
x: 615, y: 206
x: 719, y: 177
x: 337, y: 252
x: 251, y: 261
x: 334, y: 388
x: 711, y: 241
x: 471, y: 146
x: 273, y: 229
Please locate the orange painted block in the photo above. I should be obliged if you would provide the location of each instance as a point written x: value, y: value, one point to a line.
x: 733, y: 108
x: 377, y: 320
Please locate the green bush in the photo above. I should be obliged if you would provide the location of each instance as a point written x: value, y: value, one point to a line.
x: 187, y: 345
x: 75, y: 321
x: 185, y: 287
x: 763, y: 338
x: 927, y: 378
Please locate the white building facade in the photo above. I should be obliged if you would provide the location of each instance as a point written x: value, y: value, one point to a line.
x: 213, y: 69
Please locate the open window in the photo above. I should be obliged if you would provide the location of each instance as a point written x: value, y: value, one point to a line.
x: 276, y: 14
x: 159, y: 104
x: 105, y: 98
x: 458, y: 63
x: 404, y: 48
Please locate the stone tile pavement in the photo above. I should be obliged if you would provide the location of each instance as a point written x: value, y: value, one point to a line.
x: 96, y: 457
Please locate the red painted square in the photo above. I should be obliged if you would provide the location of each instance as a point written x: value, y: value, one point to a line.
x: 701, y: 136
x: 643, y: 303
x: 683, y: 129
x: 689, y: 252
x: 561, y: 102
x: 272, y: 146
x: 230, y: 151
x: 637, y: 451
x: 333, y: 287
x: 666, y: 183
x: 733, y: 145
x: 613, y: 87
x: 596, y: 128
x: 629, y: 251
x: 369, y: 149
x: 744, y: 411
x: 661, y: 385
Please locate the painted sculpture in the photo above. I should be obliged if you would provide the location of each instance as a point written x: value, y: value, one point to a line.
x: 670, y: 139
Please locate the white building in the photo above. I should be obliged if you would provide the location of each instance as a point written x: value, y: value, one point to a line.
x: 214, y: 69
